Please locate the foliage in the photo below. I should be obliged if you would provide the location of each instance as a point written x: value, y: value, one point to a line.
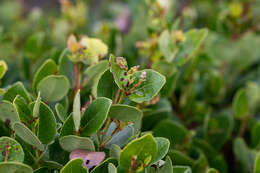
x: 73, y: 99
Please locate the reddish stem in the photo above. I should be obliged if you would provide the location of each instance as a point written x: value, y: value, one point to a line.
x: 117, y: 95
x: 76, y: 78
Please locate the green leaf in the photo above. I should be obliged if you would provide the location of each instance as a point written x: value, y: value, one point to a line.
x: 118, y: 71
x: 257, y: 163
x: 61, y: 112
x: 68, y: 127
x: 163, y: 145
x: 142, y: 148
x: 120, y: 138
x: 95, y: 115
x: 240, y: 104
x: 47, y: 124
x: 49, y: 67
x: 212, y: 170
x: 12, y: 149
x: 94, y: 71
x: 8, y: 113
x: 16, y: 89
x: 36, y: 106
x: 153, y: 83
x: 167, y: 45
x: 103, y: 167
x: 187, y: 49
x: 181, y: 169
x: 114, y: 151
x: 106, y: 86
x: 53, y: 88
x: 125, y: 113
x: 112, y: 168
x: 244, y: 155
x: 76, y: 111
x: 74, y: 165
x: 27, y: 135
x: 175, y: 132
x: 71, y: 142
x: 255, y: 134
x: 22, y: 109
x: 15, y: 167
x: 66, y: 66
x: 3, y: 68
x: 167, y: 167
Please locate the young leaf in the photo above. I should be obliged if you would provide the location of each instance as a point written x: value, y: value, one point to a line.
x: 47, y: 124
x: 53, y: 87
x: 153, y: 83
x: 10, y: 150
x: 16, y: 89
x: 125, y: 113
x: 95, y: 115
x: 48, y: 68
x: 36, y: 106
x: 74, y: 165
x: 8, y: 113
x: 3, y: 68
x: 71, y: 142
x: 15, y: 167
x: 240, y: 104
x: 141, y: 148
x: 167, y: 46
x: 27, y: 135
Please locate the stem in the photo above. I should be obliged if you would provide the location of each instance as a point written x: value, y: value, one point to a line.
x: 243, y: 126
x: 109, y: 121
x: 122, y: 97
x: 7, y: 154
x: 109, y: 138
x: 76, y: 78
x: 117, y: 95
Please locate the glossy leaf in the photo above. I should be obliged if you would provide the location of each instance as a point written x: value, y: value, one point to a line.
x: 240, y: 104
x: 163, y: 145
x: 3, y: 68
x: 106, y: 86
x: 16, y: 89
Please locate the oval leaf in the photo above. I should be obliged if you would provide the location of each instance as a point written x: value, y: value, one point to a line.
x: 53, y: 88
x: 15, y: 167
x: 74, y: 165
x: 8, y: 113
x: 125, y: 113
x: 10, y: 150
x: 27, y: 135
x: 71, y: 142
